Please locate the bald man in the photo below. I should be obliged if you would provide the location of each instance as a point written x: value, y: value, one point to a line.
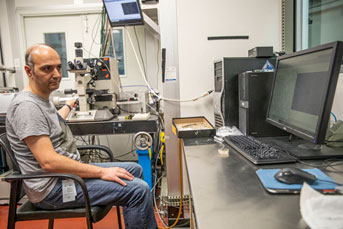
x: 42, y: 142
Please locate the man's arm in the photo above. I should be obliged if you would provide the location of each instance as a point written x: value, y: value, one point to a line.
x: 65, y: 110
x: 51, y: 161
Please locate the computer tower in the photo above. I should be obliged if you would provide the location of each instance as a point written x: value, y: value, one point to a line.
x: 225, y: 98
x: 254, y: 93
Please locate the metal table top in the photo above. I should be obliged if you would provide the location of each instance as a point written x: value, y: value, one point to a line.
x: 226, y: 192
x: 114, y: 126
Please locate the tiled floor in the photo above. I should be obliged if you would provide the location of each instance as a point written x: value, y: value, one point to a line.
x: 110, y: 221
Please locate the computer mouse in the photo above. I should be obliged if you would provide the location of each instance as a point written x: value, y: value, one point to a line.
x: 294, y: 176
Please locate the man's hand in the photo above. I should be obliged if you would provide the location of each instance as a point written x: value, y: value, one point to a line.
x: 71, y: 103
x: 115, y: 173
x: 64, y: 111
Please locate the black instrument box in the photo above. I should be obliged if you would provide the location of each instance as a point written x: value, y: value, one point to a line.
x: 254, y: 90
x: 261, y: 52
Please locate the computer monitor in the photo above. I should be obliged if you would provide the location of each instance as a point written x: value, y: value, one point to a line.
x: 303, y: 91
x: 123, y: 12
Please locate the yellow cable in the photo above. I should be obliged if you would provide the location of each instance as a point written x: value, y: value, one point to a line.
x: 161, y: 151
x: 149, y: 153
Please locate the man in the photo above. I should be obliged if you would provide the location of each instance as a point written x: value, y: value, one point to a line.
x: 42, y: 142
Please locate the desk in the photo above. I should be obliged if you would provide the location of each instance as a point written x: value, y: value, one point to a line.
x: 114, y: 126
x: 226, y: 192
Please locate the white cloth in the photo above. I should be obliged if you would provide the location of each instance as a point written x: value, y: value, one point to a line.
x: 321, y: 211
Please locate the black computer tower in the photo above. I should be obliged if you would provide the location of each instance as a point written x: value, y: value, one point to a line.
x: 254, y: 93
x: 225, y: 98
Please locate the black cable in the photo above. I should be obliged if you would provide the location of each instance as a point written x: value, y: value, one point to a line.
x: 93, y: 38
x: 122, y: 155
x: 82, y: 139
x: 140, y: 53
x: 323, y: 165
x: 328, y: 181
x: 2, y: 63
x: 160, y: 120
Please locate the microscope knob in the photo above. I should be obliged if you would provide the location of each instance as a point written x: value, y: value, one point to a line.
x: 71, y: 65
x: 79, y: 64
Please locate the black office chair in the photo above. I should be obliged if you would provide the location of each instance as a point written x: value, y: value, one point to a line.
x: 28, y: 211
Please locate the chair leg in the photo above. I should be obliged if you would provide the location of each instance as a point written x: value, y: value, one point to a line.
x: 51, y: 223
x: 118, y: 216
x: 12, y: 205
x: 89, y: 223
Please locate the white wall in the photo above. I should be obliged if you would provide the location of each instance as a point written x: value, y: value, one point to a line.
x: 260, y: 20
x: 6, y: 44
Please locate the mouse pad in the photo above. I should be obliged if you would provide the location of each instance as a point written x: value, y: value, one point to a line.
x: 267, y: 179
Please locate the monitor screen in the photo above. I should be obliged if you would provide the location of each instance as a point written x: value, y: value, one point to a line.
x: 123, y: 12
x: 303, y: 91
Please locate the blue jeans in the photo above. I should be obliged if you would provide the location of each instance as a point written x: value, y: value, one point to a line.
x: 135, y: 197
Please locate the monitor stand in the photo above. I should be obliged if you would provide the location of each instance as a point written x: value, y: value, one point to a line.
x: 303, y: 149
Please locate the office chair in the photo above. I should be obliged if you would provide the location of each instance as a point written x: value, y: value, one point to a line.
x: 28, y: 211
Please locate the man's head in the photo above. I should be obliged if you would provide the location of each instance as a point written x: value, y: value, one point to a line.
x: 43, y: 67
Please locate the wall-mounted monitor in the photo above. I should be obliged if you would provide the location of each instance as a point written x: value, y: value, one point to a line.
x: 124, y: 12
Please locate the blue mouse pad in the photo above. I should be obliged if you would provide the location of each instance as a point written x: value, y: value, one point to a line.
x: 267, y: 179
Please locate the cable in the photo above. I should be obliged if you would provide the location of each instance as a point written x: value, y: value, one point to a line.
x: 323, y: 165
x: 124, y: 154
x: 140, y: 52
x: 328, y: 181
x: 150, y: 88
x: 97, y: 28
x: 134, y: 86
x: 334, y: 116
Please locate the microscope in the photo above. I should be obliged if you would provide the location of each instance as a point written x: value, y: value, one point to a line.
x: 97, y: 86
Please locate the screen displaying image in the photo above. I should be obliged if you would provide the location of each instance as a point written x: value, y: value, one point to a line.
x: 123, y: 12
x: 300, y: 90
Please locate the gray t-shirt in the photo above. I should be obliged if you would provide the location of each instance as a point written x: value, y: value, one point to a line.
x: 30, y: 115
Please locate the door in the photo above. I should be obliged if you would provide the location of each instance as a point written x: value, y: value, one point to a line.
x: 61, y: 32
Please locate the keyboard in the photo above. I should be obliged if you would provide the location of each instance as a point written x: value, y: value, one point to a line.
x: 256, y: 151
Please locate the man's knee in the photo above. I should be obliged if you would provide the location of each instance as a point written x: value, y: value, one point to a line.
x: 137, y: 170
x: 141, y: 192
x: 143, y: 186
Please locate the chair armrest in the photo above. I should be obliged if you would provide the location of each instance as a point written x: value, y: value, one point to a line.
x: 19, y: 177
x: 107, y: 150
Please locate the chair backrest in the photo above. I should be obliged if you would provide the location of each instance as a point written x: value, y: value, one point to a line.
x: 5, y: 144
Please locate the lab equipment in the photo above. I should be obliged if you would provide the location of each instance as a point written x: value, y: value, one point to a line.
x: 143, y: 144
x: 97, y: 86
x: 134, y: 102
x: 261, y: 51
